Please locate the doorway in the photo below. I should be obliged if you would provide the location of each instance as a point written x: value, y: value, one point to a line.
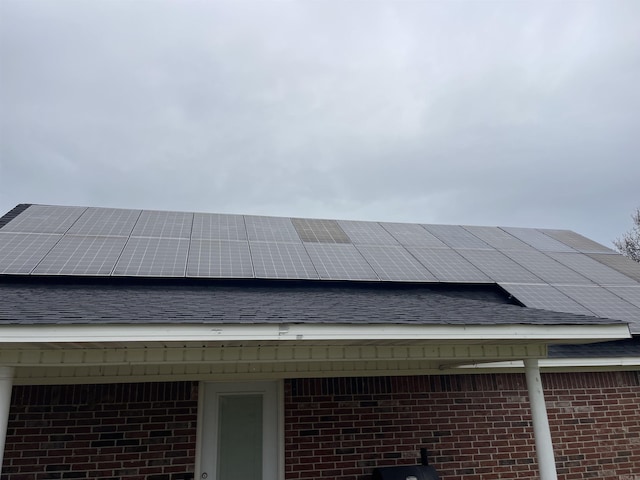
x: 239, y: 432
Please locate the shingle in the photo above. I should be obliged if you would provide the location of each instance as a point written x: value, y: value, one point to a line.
x: 46, y: 303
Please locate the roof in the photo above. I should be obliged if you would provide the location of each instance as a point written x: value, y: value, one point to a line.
x: 562, y: 272
x: 37, y: 303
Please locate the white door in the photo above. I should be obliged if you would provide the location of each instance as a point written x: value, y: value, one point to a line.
x: 239, y: 431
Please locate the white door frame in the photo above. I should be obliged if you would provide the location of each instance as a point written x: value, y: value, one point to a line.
x: 273, y: 422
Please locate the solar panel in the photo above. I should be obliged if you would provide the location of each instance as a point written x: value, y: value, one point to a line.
x: 576, y: 241
x: 105, y: 222
x: 367, y: 233
x: 593, y: 270
x: 321, y: 231
x: 545, y: 297
x: 210, y: 226
x: 282, y: 260
x: 497, y: 238
x: 219, y: 259
x: 630, y: 294
x: 271, y: 229
x: 619, y: 263
x: 546, y: 268
x: 538, y: 240
x: 153, y: 257
x: 456, y: 237
x: 21, y: 252
x: 82, y: 255
x: 499, y: 267
x: 339, y: 262
x: 413, y: 234
x: 44, y: 219
x: 395, y: 263
x: 158, y: 224
x: 602, y: 302
x: 448, y: 266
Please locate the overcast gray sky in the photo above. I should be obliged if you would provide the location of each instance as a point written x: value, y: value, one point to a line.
x: 518, y: 113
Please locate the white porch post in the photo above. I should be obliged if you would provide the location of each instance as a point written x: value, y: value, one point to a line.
x: 6, y: 382
x: 541, y: 430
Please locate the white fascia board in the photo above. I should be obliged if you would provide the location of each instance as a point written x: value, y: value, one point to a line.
x: 309, y: 332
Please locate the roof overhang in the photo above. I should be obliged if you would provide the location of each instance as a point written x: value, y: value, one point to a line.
x: 120, y: 353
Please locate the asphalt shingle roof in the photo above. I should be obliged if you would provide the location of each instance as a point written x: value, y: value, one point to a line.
x: 46, y: 303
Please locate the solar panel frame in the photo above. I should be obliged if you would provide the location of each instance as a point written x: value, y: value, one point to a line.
x: 412, y: 234
x: 592, y: 269
x: 20, y: 253
x: 497, y: 238
x: 367, y: 233
x: 105, y: 222
x: 153, y: 257
x: 339, y: 261
x: 214, y: 226
x: 219, y: 259
x: 82, y: 255
x: 161, y: 224
x: 497, y: 266
x: 447, y: 265
x: 393, y: 263
x: 271, y: 229
x: 457, y: 237
x: 545, y: 297
x: 538, y: 239
x: 44, y: 219
x: 282, y: 261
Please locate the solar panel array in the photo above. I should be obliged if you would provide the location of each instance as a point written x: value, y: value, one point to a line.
x: 550, y: 269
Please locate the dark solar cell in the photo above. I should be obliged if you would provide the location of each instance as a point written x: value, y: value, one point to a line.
x: 282, y: 260
x: 21, y: 252
x: 497, y: 238
x: 545, y: 297
x: 576, y: 241
x: 538, y: 240
x: 457, y: 237
x: 166, y: 257
x: 593, y: 270
x: 413, y: 234
x: 158, y: 224
x: 270, y: 229
x: 618, y: 262
x: 339, y: 262
x: 499, y: 267
x: 367, y: 233
x: 105, y: 222
x: 44, y: 219
x: 210, y: 226
x: 219, y: 259
x: 395, y: 263
x: 546, y: 268
x: 82, y: 255
x: 321, y: 231
x: 448, y: 266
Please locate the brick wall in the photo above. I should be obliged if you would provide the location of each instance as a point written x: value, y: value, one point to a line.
x: 476, y: 427
x: 122, y: 431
